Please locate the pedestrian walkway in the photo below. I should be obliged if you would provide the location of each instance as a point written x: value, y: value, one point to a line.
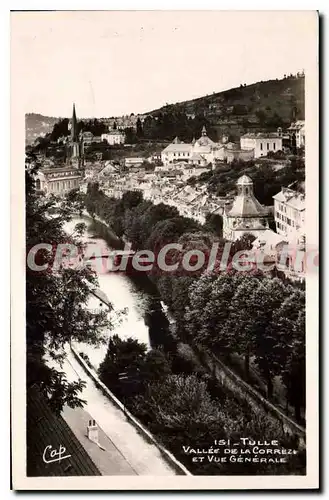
x: 134, y: 454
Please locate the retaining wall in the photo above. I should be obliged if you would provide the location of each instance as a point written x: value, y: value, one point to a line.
x: 169, y: 457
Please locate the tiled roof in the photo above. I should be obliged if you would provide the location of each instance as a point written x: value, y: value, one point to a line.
x: 291, y: 198
x: 44, y: 428
x: 173, y: 148
x: 269, y: 238
x: 260, y: 135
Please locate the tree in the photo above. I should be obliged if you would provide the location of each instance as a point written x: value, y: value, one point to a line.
x: 209, y: 310
x: 214, y: 223
x: 55, y: 315
x: 75, y: 200
x: 139, y: 128
x: 122, y: 357
x: 289, y: 324
x: 264, y: 301
x: 156, y: 366
x: 241, y: 321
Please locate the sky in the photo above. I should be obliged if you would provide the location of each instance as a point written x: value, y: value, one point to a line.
x: 113, y: 62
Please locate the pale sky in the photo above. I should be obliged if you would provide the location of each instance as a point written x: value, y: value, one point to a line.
x: 112, y: 63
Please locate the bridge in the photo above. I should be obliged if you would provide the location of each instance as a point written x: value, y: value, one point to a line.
x: 113, y: 253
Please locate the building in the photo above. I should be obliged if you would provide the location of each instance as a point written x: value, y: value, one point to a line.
x: 261, y: 143
x: 204, y: 151
x: 114, y: 137
x: 59, y: 180
x: 134, y: 161
x: 297, y: 131
x: 246, y: 215
x: 232, y: 152
x: 88, y: 138
x: 289, y: 214
x: 176, y: 151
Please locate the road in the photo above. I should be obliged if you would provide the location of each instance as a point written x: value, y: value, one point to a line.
x: 128, y: 451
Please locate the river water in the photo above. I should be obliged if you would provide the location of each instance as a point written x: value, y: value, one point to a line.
x: 142, y: 318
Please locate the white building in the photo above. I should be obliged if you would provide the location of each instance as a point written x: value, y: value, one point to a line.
x: 114, y: 137
x: 262, y: 144
x: 177, y: 150
x: 297, y: 129
x: 134, y: 161
x: 246, y: 215
x: 59, y: 180
x: 289, y: 214
x: 204, y: 151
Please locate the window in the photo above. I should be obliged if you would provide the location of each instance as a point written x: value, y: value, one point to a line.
x: 289, y: 221
x: 278, y: 215
x: 261, y: 146
x: 273, y: 146
x: 268, y: 146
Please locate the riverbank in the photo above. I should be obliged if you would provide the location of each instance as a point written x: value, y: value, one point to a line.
x: 141, y: 221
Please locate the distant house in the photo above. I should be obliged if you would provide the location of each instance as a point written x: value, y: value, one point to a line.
x: 88, y: 138
x: 297, y: 129
x: 261, y: 143
x: 114, y: 137
x: 133, y: 161
x: 177, y: 150
x: 289, y: 214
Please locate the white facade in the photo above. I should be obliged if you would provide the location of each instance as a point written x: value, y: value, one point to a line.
x: 134, y: 161
x: 58, y: 181
x: 298, y: 129
x: 289, y: 214
x: 114, y: 137
x: 262, y: 144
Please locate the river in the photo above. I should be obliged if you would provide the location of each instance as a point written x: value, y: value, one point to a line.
x: 142, y: 318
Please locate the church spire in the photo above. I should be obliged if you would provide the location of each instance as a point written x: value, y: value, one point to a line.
x: 74, y: 128
x: 204, y: 130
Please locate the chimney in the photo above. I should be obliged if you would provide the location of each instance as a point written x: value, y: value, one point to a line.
x: 92, y: 431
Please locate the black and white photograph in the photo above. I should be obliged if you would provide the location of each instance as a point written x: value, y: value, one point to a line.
x: 167, y: 218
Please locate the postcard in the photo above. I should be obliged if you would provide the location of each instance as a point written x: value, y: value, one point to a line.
x: 164, y: 199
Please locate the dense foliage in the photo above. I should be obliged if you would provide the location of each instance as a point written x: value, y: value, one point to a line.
x: 184, y: 407
x: 267, y: 178
x: 55, y: 299
x: 230, y: 312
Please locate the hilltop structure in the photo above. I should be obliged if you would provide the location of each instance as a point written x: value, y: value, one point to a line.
x: 246, y: 215
x: 204, y: 151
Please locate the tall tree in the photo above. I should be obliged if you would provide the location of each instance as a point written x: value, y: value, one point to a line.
x: 55, y: 299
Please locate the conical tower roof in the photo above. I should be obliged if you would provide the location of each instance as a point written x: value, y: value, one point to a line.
x: 245, y: 204
x: 74, y: 126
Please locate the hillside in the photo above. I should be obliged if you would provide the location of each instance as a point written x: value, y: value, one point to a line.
x: 262, y: 105
x: 37, y: 125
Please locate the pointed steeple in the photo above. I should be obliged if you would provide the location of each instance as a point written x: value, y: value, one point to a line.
x: 204, y: 131
x: 74, y: 126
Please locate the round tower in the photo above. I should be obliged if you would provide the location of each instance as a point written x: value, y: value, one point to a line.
x: 245, y: 185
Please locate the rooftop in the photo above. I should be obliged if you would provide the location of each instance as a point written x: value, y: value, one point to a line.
x: 261, y: 135
x: 291, y: 198
x: 44, y: 428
